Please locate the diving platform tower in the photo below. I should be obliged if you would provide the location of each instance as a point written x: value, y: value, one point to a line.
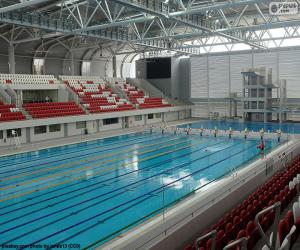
x: 262, y: 100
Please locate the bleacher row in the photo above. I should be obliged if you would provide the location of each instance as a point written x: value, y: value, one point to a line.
x: 138, y: 97
x: 94, y: 93
x: 27, y: 79
x: 239, y: 222
x: 97, y: 97
x: 9, y: 112
x: 53, y: 109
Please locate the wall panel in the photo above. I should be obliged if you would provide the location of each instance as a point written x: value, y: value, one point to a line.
x: 199, y: 77
x: 289, y: 69
x: 218, y: 76
x: 237, y: 63
x: 223, y: 73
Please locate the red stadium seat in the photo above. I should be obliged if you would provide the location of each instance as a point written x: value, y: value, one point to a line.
x: 283, y: 230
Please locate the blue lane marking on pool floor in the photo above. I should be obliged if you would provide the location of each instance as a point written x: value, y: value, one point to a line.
x: 90, y: 201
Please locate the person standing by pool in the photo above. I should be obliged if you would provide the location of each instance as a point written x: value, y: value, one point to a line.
x: 215, y: 131
x: 245, y: 133
x: 163, y: 129
x: 201, y: 131
x: 278, y: 135
x: 262, y: 132
x: 230, y: 132
x: 188, y: 131
x: 175, y: 130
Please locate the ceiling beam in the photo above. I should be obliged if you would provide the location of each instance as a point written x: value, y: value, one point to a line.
x: 153, y: 14
x: 41, y: 22
x: 259, y: 27
x: 218, y: 6
x: 21, y: 5
x: 187, y: 22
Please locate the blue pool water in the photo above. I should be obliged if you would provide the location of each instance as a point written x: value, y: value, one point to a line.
x: 89, y: 193
x: 291, y: 128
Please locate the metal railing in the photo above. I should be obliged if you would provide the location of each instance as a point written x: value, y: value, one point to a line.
x: 242, y: 242
x: 276, y: 207
x: 211, y: 235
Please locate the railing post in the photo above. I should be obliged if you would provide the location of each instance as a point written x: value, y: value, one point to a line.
x: 240, y: 242
x: 212, y: 235
x: 276, y: 206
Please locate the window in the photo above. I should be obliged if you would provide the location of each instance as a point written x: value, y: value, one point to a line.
x: 86, y: 68
x: 138, y: 118
x: 150, y: 116
x: 110, y: 121
x: 38, y: 66
x: 54, y: 128
x: 261, y: 105
x: 80, y: 125
x: 40, y: 130
x: 261, y: 93
x: 1, y: 134
x: 158, y: 115
x: 9, y: 132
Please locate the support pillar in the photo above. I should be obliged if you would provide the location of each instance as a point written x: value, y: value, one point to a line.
x: 19, y: 101
x: 230, y: 108
x: 72, y: 63
x: 11, y: 59
x: 114, y: 66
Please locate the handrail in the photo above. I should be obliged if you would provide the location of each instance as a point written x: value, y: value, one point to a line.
x: 275, y: 206
x: 242, y: 241
x: 5, y: 96
x: 212, y: 234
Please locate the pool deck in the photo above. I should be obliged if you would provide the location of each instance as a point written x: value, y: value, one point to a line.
x: 80, y: 138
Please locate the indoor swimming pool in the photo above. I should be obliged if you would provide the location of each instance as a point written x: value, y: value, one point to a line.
x: 85, y: 194
x: 286, y: 127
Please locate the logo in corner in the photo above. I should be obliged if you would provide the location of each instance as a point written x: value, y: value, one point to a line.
x: 283, y: 8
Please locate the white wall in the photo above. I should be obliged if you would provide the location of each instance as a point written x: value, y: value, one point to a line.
x: 72, y: 130
x: 154, y: 120
x: 215, y: 76
x: 132, y: 122
x: 171, y: 116
x: 63, y: 95
x: 199, y: 77
x: 91, y: 126
x: 46, y: 136
x: 183, y: 114
x: 110, y: 126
